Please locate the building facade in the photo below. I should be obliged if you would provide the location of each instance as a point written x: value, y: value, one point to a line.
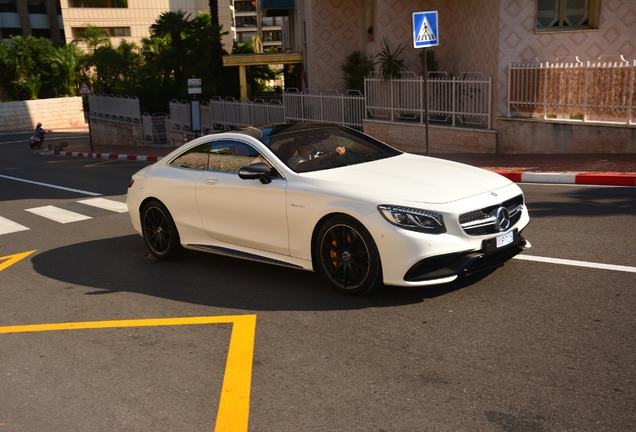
x: 130, y: 20
x: 41, y: 18
x: 474, y: 35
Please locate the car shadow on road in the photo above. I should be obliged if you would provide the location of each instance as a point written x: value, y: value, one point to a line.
x: 210, y: 280
x: 587, y: 202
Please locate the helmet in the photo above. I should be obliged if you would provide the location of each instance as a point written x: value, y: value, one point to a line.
x: 39, y: 124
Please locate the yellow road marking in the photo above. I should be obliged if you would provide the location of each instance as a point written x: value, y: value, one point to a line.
x: 115, y: 160
x: 100, y: 163
x: 12, y: 259
x: 233, y: 414
x: 62, y: 161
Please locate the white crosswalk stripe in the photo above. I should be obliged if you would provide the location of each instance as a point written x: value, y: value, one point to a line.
x: 106, y: 204
x: 57, y: 214
x: 7, y: 226
x: 63, y: 216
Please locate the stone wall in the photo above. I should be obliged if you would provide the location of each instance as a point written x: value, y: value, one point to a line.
x: 442, y: 139
x: 105, y: 132
x: 58, y: 113
x: 540, y: 136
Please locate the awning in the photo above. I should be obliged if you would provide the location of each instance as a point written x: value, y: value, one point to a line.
x: 278, y: 7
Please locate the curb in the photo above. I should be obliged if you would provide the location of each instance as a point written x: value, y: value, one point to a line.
x: 601, y: 179
x: 105, y: 156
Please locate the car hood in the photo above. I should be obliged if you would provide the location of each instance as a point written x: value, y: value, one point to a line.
x: 408, y: 177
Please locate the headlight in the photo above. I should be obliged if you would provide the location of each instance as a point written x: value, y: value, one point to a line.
x: 413, y: 219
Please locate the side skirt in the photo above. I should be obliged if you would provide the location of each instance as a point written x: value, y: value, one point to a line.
x: 243, y: 255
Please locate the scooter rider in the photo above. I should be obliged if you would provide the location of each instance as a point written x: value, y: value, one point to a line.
x: 39, y: 132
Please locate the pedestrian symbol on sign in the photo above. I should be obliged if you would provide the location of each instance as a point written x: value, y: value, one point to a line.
x: 425, y: 34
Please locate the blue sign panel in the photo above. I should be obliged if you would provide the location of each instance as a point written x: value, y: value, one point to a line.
x: 425, y: 29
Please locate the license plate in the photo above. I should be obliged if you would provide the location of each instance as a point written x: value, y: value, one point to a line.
x: 504, y: 240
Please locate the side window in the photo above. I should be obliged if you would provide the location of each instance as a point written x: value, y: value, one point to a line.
x: 195, y: 158
x: 231, y: 156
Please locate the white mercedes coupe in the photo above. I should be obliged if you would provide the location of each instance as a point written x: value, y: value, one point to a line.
x: 328, y: 199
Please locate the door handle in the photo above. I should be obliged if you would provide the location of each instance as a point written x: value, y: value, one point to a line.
x: 211, y: 181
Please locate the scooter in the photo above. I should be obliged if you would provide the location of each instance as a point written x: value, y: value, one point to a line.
x: 35, y: 141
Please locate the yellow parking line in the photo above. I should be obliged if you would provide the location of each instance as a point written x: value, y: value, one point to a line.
x: 233, y: 414
x: 9, y: 260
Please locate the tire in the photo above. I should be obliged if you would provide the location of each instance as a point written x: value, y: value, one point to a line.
x: 159, y: 232
x: 347, y: 257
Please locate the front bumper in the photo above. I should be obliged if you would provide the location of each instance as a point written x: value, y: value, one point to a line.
x: 445, y: 268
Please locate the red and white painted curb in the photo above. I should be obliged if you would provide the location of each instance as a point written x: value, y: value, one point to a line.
x: 571, y: 178
x: 108, y: 156
x: 515, y: 176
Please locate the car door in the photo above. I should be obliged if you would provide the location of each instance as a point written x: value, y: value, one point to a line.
x: 242, y: 212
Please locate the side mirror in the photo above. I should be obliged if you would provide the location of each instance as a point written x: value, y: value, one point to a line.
x: 255, y: 171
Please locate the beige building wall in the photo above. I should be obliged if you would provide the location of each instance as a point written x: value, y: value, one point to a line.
x: 336, y: 28
x: 518, y: 41
x: 139, y: 16
x: 474, y: 36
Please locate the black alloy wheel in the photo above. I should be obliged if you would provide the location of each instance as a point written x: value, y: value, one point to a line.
x: 347, y: 256
x: 159, y: 231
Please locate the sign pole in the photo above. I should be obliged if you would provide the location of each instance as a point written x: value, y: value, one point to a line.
x: 426, y: 99
x: 425, y: 34
x: 194, y: 88
x: 88, y: 118
x: 85, y: 91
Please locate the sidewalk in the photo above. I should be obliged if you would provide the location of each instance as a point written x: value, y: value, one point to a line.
x: 592, y: 169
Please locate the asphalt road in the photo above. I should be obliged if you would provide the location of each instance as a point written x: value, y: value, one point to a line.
x: 534, y: 346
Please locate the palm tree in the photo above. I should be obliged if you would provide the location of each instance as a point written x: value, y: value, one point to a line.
x: 390, y: 63
x: 31, y: 85
x: 68, y: 59
x: 93, y: 37
x: 216, y: 50
x: 176, y: 25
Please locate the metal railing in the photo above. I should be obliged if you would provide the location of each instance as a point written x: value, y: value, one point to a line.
x: 154, y: 128
x: 345, y: 109
x: 591, y: 91
x: 465, y: 100
x: 230, y: 113
x: 457, y: 101
x: 218, y: 114
x: 180, y: 116
x: 115, y: 108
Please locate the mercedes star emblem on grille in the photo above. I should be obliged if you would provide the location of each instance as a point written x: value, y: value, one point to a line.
x: 503, y: 218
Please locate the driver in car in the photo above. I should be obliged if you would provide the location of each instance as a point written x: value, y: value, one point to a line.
x: 305, y: 156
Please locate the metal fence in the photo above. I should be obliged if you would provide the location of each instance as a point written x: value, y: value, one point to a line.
x: 180, y: 116
x: 115, y: 108
x: 218, y: 114
x: 591, y: 91
x: 347, y: 109
x: 154, y: 128
x: 465, y: 100
x: 230, y: 113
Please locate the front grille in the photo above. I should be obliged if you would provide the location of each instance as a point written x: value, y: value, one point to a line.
x: 483, y: 221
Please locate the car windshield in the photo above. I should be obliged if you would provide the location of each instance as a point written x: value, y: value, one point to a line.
x: 311, y: 147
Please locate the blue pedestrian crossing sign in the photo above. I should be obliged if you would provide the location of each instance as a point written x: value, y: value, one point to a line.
x: 425, y: 29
